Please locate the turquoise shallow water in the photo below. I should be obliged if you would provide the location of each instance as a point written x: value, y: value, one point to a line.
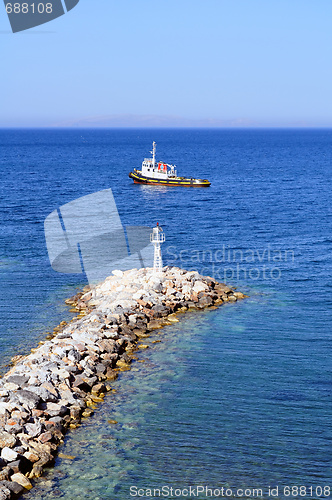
x: 185, y: 417
x: 237, y: 397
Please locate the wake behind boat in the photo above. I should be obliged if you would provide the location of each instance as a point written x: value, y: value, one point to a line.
x: 153, y: 172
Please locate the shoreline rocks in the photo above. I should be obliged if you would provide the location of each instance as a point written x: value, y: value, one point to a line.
x: 50, y: 390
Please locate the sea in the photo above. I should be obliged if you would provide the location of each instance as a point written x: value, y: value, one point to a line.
x: 231, y: 402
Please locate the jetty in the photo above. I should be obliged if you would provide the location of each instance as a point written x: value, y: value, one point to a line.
x: 51, y: 390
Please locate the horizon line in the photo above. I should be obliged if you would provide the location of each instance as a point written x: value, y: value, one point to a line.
x: 156, y: 127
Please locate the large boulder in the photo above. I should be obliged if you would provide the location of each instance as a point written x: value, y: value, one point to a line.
x: 34, y: 430
x: 15, y: 488
x: 54, y: 409
x: 22, y: 480
x: 20, y: 380
x: 7, y: 439
x: 27, y: 398
x: 43, y: 393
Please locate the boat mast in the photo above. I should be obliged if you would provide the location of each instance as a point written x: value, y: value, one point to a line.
x: 153, y: 154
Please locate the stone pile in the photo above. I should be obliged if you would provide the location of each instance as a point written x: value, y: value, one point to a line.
x: 51, y: 389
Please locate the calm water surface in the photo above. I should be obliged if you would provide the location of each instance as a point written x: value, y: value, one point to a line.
x: 237, y: 397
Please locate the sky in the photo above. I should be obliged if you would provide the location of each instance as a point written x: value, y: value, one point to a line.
x: 224, y: 63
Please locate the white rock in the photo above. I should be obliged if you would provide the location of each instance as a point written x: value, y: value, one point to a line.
x: 22, y: 480
x: 10, y: 386
x: 60, y: 351
x: 33, y: 381
x: 94, y: 318
x: 125, y: 295
x: 186, y: 289
x: 8, y: 454
x: 105, y: 287
x: 125, y: 304
x: 139, y: 294
x: 93, y: 302
x: 85, y: 337
x: 200, y: 287
x: 45, y: 348
x: 55, y: 409
x: 62, y: 373
x: 191, y: 274
x: 132, y: 319
x: 3, y: 408
x: 118, y: 273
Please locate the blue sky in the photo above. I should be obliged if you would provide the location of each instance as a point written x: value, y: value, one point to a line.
x: 171, y: 62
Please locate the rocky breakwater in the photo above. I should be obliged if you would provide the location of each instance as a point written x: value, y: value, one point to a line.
x: 60, y: 382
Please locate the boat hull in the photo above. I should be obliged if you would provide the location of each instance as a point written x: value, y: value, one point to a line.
x: 178, y: 181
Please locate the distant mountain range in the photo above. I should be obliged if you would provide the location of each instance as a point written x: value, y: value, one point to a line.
x: 138, y: 121
x: 166, y: 121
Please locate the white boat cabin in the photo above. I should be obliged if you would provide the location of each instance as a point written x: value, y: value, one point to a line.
x: 157, y: 170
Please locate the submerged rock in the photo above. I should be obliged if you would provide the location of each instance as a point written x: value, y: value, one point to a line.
x: 13, y: 487
x: 19, y: 478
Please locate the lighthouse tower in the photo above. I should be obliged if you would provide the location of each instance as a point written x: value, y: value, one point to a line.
x: 157, y: 237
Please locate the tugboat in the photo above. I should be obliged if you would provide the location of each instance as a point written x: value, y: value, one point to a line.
x: 163, y: 174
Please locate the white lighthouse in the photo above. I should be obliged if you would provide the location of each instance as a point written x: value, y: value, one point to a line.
x: 157, y: 237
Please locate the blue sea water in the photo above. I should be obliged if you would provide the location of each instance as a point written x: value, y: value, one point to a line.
x: 237, y: 397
